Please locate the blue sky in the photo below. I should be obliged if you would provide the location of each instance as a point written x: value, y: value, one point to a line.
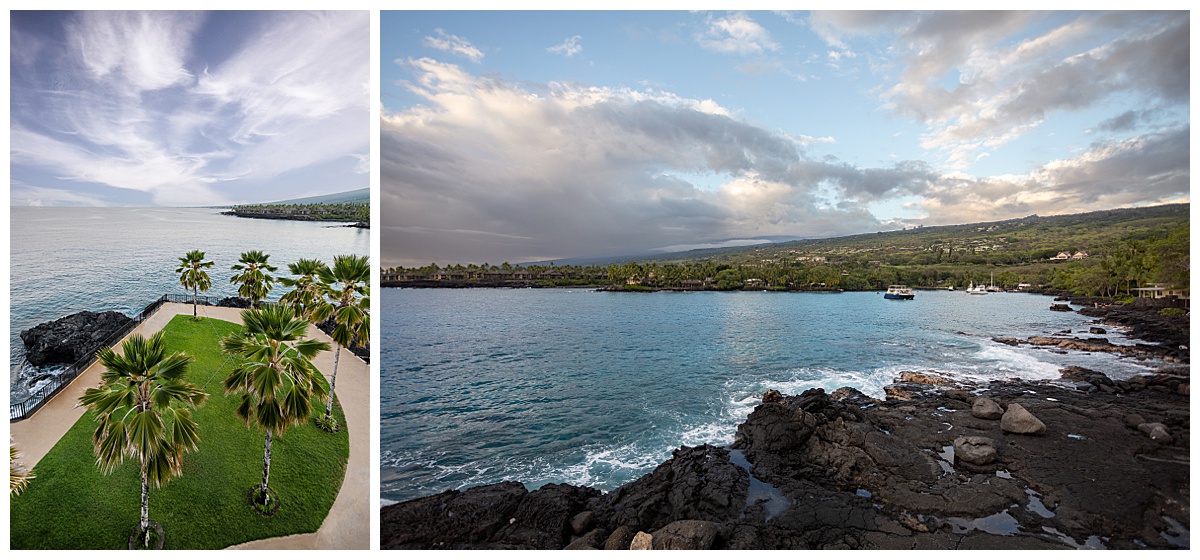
x: 187, y: 108
x: 518, y: 136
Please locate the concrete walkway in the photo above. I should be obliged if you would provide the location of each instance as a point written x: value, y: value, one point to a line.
x: 348, y: 525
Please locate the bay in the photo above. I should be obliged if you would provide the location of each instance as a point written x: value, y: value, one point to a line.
x: 66, y: 260
x: 567, y: 385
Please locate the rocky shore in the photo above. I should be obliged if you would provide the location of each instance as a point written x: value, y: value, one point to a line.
x: 1084, y: 461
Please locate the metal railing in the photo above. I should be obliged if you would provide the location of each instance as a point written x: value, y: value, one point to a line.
x: 26, y: 408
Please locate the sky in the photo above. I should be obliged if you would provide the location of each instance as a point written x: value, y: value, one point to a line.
x: 531, y: 136
x: 158, y: 108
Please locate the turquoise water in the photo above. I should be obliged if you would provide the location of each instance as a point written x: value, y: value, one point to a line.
x: 65, y: 260
x: 596, y: 388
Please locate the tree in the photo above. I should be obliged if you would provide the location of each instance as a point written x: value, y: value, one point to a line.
x: 143, y: 410
x: 276, y: 379
x: 192, y: 275
x: 18, y: 474
x: 308, y: 293
x: 350, y: 308
x: 254, y: 276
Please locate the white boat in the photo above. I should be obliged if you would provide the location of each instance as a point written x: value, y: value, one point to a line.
x: 976, y: 290
x: 898, y: 291
x: 992, y: 287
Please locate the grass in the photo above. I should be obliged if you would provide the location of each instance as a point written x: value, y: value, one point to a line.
x: 72, y: 505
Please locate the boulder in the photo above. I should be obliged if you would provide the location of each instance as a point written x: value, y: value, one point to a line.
x: 619, y: 539
x: 1017, y: 420
x: 1134, y: 420
x: 688, y: 534
x: 1157, y: 432
x: 582, y: 522
x: 450, y: 518
x: 71, y: 338
x: 772, y: 396
x: 986, y: 409
x: 642, y: 541
x: 1097, y: 330
x: 974, y: 449
x: 593, y: 540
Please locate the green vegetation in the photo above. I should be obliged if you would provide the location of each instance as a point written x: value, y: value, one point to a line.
x: 192, y: 275
x: 351, y: 302
x: 1173, y: 312
x: 324, y: 212
x: 72, y: 505
x: 253, y: 275
x: 1100, y: 253
x: 143, y: 410
x: 18, y: 474
x: 276, y: 382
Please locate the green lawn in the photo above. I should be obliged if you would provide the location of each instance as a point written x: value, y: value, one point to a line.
x: 71, y: 505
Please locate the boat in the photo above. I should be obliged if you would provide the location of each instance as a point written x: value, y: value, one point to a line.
x: 898, y: 291
x: 992, y: 287
x: 976, y: 290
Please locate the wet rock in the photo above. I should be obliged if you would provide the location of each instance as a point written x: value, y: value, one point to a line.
x: 619, y: 539
x: 974, y: 449
x: 1184, y: 389
x: 778, y: 427
x: 986, y: 409
x: 895, y: 393
x: 696, y: 483
x: 1017, y: 420
x: 1009, y: 341
x: 642, y: 541
x: 71, y: 338
x: 849, y: 393
x: 1097, y: 330
x: 925, y: 378
x: 688, y: 534
x: 543, y: 517
x: 772, y: 396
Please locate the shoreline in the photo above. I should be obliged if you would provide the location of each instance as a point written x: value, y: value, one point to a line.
x: 884, y: 464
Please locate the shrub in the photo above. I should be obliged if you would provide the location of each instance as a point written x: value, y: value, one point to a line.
x: 1172, y: 311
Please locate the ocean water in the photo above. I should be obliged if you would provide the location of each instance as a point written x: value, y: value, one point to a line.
x: 595, y: 388
x: 66, y: 260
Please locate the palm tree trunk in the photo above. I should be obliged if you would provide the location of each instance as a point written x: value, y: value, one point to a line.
x: 266, y: 462
x: 337, y: 352
x: 145, y: 524
x: 195, y: 296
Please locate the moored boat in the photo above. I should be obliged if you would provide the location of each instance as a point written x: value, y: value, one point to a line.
x: 898, y: 291
x: 976, y: 290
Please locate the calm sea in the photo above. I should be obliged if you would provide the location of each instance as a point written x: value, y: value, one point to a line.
x: 595, y: 388
x: 65, y: 260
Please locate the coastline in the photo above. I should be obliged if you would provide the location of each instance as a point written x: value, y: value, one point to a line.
x: 873, y: 473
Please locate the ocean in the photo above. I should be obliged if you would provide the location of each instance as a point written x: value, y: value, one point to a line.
x: 66, y: 260
x: 594, y: 388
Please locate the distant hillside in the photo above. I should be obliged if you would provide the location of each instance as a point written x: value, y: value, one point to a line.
x: 356, y: 196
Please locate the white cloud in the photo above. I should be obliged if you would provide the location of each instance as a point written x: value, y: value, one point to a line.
x: 569, y: 47
x: 736, y: 33
x: 454, y: 44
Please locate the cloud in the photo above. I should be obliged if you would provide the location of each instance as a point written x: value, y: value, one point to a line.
x: 569, y: 47
x: 490, y: 170
x: 136, y: 102
x: 736, y: 33
x: 979, y: 80
x: 28, y: 195
x: 454, y: 44
x: 1143, y: 170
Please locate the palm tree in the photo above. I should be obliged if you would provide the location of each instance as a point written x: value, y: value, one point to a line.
x: 253, y: 276
x: 18, y: 474
x: 351, y: 313
x: 143, y: 410
x: 192, y: 275
x: 308, y: 293
x: 276, y: 378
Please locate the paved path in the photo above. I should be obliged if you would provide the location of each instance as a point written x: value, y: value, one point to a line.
x: 348, y: 525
